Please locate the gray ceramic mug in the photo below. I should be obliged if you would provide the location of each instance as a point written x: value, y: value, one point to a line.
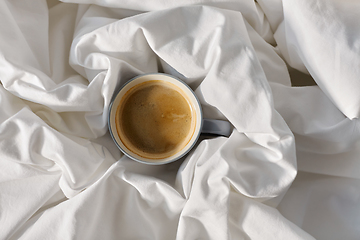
x: 123, y: 139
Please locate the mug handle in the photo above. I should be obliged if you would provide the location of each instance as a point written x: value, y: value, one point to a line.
x: 216, y: 127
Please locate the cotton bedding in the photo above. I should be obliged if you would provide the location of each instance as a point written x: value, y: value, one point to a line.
x: 285, y: 74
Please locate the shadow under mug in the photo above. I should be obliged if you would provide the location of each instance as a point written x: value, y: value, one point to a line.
x: 205, y: 126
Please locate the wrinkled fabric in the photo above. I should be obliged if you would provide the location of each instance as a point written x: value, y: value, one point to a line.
x: 289, y: 170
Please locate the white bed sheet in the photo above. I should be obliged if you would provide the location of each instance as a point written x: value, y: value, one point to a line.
x: 289, y: 170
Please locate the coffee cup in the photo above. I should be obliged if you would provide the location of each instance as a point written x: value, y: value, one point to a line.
x: 157, y: 119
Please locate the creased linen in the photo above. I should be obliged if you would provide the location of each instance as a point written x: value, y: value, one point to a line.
x: 289, y: 170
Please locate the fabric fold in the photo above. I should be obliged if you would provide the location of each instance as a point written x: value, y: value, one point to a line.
x: 322, y: 35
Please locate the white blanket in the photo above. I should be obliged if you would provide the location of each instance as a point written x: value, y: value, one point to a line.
x: 290, y: 169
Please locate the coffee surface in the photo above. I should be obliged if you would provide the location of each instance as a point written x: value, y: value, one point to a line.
x: 155, y: 120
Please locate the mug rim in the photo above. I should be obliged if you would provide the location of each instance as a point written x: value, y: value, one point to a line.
x: 148, y: 160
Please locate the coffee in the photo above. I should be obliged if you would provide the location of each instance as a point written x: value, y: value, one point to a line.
x: 155, y: 119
